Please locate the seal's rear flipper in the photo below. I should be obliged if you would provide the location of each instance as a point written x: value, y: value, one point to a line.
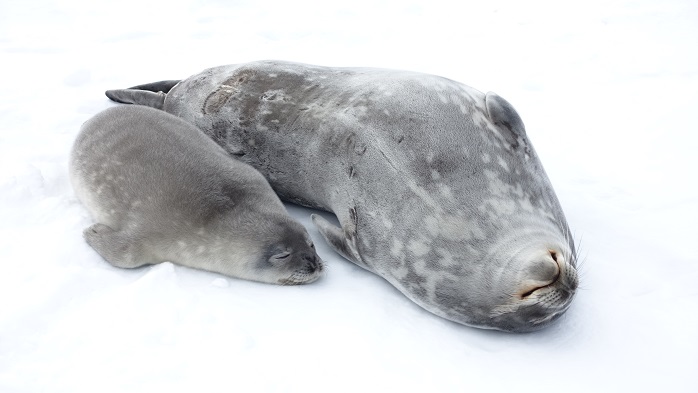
x: 343, y: 242
x: 149, y: 94
x: 138, y: 97
x: 163, y: 86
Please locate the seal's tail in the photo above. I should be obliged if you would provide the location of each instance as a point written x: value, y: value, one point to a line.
x: 149, y: 94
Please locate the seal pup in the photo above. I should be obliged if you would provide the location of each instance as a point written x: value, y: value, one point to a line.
x: 160, y: 190
x: 436, y: 185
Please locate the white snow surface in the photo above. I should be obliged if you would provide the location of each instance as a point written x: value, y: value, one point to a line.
x: 608, y: 90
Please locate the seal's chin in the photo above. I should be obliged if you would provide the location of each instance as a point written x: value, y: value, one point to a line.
x: 305, y: 275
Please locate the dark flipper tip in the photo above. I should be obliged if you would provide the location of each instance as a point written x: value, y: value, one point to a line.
x: 138, y: 97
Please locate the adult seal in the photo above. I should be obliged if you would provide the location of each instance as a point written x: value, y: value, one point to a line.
x: 160, y: 190
x: 436, y: 186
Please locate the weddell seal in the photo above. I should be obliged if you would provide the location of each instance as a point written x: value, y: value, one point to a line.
x: 436, y: 186
x: 160, y: 190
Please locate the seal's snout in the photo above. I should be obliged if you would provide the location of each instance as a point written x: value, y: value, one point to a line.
x: 542, y: 272
x: 546, y: 284
x: 312, y: 263
x: 309, y: 268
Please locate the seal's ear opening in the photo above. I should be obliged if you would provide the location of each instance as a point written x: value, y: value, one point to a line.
x: 504, y: 116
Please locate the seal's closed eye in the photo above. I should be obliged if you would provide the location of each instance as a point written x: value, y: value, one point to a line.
x: 280, y: 256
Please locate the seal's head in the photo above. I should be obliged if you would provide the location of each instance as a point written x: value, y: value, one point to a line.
x: 537, y: 278
x: 285, y: 253
x: 531, y: 275
x: 293, y: 253
x: 488, y: 244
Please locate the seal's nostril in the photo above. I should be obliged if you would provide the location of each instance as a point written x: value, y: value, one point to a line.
x: 311, y: 263
x: 553, y: 254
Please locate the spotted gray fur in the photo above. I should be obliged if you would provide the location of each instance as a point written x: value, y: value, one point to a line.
x: 436, y: 185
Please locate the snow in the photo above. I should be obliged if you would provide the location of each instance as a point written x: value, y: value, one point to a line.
x: 607, y: 89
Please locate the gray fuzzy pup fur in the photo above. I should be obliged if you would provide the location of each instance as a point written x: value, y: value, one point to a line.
x: 160, y: 190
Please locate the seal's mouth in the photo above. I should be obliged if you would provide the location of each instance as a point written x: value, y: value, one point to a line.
x: 551, y: 282
x: 312, y: 271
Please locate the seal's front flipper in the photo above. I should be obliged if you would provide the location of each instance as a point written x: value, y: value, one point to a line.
x: 114, y: 246
x: 139, y: 97
x: 342, y: 241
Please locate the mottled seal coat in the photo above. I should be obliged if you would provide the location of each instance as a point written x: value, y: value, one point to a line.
x: 436, y: 186
x: 160, y: 190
